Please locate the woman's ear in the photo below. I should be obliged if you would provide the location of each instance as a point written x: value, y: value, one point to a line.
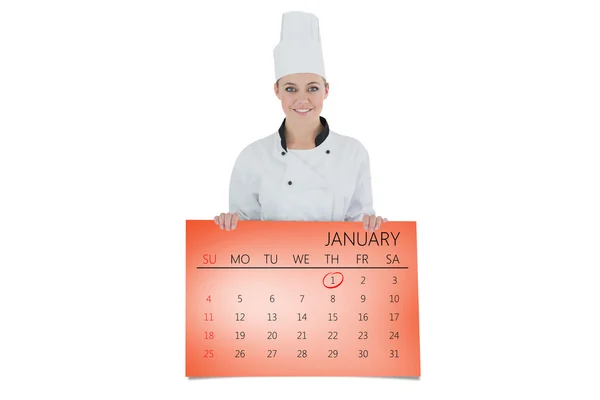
x: 276, y: 89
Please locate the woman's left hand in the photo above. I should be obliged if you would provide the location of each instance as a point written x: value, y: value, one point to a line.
x: 373, y: 222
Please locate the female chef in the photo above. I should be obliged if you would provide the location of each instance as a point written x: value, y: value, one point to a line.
x: 304, y: 171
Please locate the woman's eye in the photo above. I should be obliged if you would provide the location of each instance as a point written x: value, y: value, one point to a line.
x: 290, y: 89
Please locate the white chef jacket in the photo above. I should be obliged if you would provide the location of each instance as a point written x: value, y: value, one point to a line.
x: 331, y: 182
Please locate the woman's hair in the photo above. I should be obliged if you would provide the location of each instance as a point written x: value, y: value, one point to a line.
x: 324, y: 81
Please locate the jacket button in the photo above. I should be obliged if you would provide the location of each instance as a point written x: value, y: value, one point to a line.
x: 327, y: 152
x: 289, y: 182
x: 283, y: 153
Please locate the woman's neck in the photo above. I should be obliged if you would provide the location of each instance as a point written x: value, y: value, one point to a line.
x: 302, y: 136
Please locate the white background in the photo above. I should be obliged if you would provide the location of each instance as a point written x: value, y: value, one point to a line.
x: 119, y: 120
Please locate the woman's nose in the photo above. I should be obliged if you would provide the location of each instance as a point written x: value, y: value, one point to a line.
x: 303, y: 99
x: 303, y: 96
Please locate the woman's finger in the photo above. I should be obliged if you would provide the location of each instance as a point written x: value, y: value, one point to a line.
x: 378, y: 223
x: 372, y: 221
x: 366, y: 222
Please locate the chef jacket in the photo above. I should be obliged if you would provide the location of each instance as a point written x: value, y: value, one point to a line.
x: 331, y: 182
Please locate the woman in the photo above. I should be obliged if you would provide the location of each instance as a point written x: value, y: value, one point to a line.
x: 304, y: 171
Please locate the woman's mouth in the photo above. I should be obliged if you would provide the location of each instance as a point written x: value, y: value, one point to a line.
x: 302, y: 111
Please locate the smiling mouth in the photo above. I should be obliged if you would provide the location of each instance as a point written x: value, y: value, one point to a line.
x: 302, y: 110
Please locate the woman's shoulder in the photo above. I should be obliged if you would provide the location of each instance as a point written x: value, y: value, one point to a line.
x: 348, y: 144
x: 257, y: 149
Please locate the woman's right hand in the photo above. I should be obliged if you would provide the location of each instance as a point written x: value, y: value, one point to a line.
x: 227, y: 221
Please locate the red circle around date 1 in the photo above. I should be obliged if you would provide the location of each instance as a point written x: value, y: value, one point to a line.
x: 333, y: 282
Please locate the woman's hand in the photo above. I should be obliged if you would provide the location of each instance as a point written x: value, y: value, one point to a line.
x: 227, y: 221
x: 373, y: 222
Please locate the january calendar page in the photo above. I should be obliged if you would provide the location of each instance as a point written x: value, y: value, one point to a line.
x: 301, y: 299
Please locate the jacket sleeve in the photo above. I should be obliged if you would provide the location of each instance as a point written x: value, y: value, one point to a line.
x: 243, y: 188
x: 361, y: 202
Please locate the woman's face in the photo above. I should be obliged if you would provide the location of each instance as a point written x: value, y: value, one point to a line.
x: 302, y: 96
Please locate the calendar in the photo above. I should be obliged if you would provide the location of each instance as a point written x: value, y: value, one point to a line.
x: 281, y: 298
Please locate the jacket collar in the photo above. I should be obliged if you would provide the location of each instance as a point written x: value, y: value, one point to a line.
x: 318, y: 140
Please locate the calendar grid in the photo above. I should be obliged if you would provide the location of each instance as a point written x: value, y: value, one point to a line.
x: 262, y: 301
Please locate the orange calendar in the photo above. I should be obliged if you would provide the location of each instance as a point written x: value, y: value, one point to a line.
x: 279, y: 298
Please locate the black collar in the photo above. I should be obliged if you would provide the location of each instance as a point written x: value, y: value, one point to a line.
x: 318, y: 140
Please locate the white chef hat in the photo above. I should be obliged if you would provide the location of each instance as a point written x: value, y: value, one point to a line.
x: 299, y: 49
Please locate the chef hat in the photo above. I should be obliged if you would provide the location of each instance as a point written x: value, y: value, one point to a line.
x: 299, y: 49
